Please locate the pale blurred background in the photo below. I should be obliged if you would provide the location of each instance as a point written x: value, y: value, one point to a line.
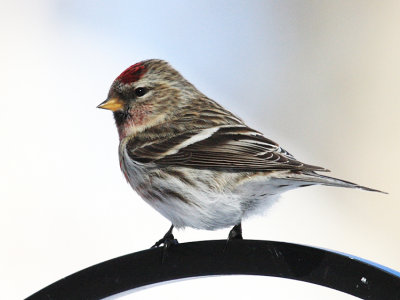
x: 319, y: 77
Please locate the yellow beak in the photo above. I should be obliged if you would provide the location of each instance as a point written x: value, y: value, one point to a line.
x: 112, y: 104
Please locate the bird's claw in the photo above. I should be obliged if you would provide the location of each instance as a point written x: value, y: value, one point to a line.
x: 166, y: 241
x: 234, y: 234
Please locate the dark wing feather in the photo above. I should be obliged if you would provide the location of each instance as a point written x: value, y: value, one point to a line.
x: 230, y: 148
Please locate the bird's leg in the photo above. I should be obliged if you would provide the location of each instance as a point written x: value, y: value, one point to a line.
x: 236, y: 232
x: 167, y: 240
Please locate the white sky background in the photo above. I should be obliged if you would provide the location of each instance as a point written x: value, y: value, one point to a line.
x: 321, y: 78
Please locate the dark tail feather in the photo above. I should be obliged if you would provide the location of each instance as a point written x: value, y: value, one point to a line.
x: 315, y: 178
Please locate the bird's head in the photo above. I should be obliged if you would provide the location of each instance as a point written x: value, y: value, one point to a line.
x: 146, y: 94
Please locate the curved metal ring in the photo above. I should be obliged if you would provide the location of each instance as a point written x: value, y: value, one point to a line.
x: 241, y: 257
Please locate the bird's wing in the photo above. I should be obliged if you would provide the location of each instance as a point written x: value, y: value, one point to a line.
x: 235, y: 148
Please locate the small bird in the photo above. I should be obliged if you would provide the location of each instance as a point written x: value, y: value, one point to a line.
x: 193, y: 161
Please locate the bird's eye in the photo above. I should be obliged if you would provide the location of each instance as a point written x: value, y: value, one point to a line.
x: 140, y: 91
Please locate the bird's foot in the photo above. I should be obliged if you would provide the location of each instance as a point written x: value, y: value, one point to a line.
x: 167, y: 240
x: 234, y: 234
x: 166, y: 243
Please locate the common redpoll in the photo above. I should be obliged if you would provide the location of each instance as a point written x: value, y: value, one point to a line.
x: 192, y: 160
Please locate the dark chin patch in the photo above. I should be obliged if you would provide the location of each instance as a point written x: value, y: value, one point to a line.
x: 120, y: 117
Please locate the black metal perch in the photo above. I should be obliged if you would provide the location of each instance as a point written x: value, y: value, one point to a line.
x: 250, y: 257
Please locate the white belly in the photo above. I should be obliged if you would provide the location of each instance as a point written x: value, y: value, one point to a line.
x: 205, y: 199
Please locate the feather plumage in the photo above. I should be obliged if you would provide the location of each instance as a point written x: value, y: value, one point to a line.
x: 192, y: 160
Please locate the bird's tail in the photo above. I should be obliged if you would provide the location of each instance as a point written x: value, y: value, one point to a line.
x: 315, y: 178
